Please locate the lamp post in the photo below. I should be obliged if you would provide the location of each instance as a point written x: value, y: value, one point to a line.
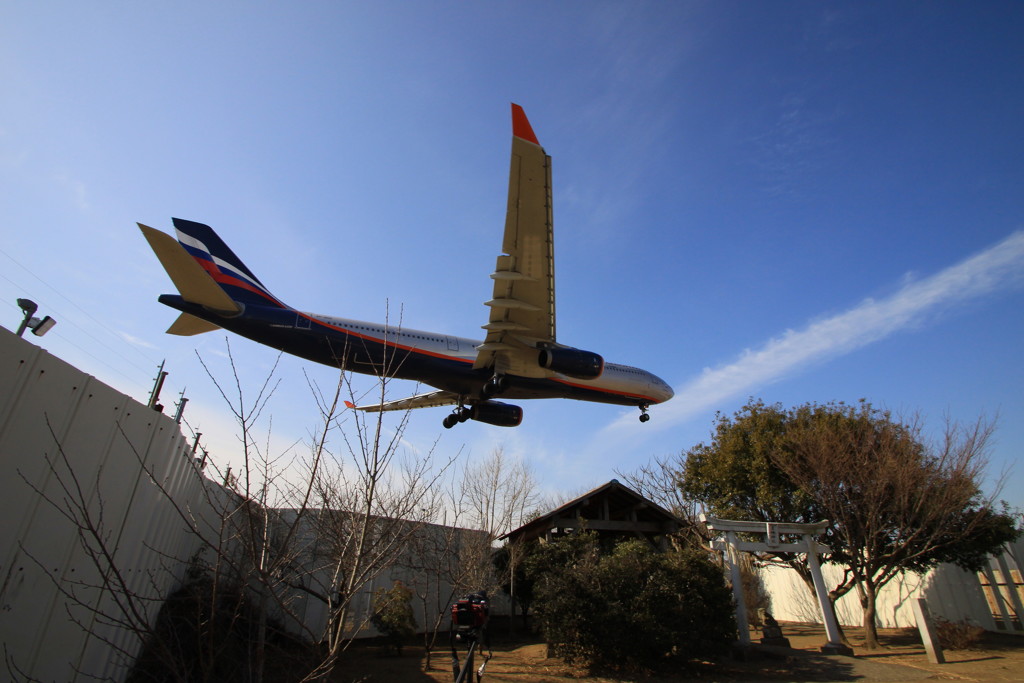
x: 38, y: 326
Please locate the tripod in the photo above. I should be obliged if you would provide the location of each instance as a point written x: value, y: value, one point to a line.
x: 472, y: 638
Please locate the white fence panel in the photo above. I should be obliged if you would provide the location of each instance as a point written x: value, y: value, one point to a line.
x: 952, y: 593
x: 66, y: 436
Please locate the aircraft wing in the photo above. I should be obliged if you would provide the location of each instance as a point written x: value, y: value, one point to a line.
x: 428, y: 400
x: 522, y: 307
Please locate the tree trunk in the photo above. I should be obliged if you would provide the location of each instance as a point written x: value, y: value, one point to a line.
x: 868, y: 598
x: 426, y: 658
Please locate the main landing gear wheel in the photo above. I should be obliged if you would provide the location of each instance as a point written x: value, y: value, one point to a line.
x: 496, y: 385
x: 644, y: 417
x: 461, y: 414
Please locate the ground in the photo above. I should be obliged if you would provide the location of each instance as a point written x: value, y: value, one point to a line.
x: 997, y: 658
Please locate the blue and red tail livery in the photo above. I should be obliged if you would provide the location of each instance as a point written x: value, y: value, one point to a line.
x: 210, y: 251
x: 519, y: 358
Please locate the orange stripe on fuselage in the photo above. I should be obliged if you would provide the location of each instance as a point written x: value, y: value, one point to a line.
x: 385, y: 342
x: 603, y: 390
x: 434, y: 354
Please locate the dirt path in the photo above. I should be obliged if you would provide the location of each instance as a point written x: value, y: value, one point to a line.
x: 999, y: 658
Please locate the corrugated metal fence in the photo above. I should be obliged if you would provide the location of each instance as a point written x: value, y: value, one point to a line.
x: 71, y: 450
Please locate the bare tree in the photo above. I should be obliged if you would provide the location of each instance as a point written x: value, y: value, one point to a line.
x: 447, y: 560
x: 353, y: 509
x: 661, y: 482
x: 501, y: 494
x: 371, y: 504
x: 283, y: 530
x: 264, y: 547
x: 490, y: 498
x: 896, y: 502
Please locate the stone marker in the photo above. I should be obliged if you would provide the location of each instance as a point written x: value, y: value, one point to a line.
x: 929, y: 636
x: 771, y: 632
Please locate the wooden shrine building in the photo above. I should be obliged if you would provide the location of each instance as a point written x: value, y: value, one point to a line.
x: 614, y: 511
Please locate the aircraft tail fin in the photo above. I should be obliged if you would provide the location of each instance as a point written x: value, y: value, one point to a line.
x: 222, y: 265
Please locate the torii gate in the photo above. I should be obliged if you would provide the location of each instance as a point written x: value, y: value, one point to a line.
x: 771, y: 531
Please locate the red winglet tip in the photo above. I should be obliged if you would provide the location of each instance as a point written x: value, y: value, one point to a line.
x: 350, y: 404
x: 521, y: 125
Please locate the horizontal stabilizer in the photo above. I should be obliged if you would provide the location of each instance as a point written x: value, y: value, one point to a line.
x: 187, y: 325
x: 195, y: 284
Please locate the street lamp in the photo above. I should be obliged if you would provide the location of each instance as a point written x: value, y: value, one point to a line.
x: 38, y: 326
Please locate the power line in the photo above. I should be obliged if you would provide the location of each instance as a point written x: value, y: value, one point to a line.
x: 70, y: 320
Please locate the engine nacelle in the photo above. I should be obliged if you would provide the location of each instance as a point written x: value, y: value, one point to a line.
x: 496, y: 413
x: 572, y: 362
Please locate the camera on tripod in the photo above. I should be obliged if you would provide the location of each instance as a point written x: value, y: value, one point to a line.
x: 469, y: 616
x: 469, y: 626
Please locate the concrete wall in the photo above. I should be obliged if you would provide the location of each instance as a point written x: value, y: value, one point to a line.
x: 68, y: 440
x: 425, y: 557
x: 66, y: 437
x: 991, y: 599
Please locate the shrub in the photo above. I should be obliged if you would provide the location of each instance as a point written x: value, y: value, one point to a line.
x: 957, y: 635
x: 392, y: 614
x: 632, y: 609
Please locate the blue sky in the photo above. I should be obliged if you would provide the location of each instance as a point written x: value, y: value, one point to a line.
x: 797, y: 201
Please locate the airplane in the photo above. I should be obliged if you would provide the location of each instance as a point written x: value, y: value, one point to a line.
x: 519, y: 358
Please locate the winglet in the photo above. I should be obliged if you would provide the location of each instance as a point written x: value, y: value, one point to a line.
x: 521, y: 125
x: 350, y: 404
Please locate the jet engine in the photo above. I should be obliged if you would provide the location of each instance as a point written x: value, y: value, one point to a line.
x: 496, y: 413
x: 572, y: 362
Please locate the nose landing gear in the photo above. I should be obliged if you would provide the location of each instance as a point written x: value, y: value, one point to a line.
x: 644, y: 417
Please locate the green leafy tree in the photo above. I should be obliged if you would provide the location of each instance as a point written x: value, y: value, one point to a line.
x: 393, y: 615
x: 735, y: 476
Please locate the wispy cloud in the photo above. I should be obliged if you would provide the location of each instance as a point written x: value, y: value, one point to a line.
x: 998, y: 268
x: 136, y: 341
